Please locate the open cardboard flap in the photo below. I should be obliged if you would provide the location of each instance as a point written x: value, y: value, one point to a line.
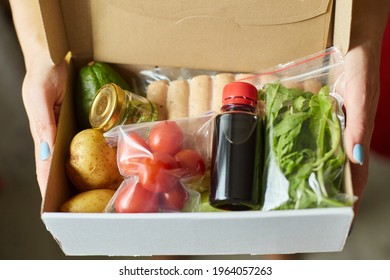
x: 227, y: 35
x: 244, y: 36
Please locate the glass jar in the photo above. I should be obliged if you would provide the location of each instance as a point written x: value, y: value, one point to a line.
x: 114, y: 106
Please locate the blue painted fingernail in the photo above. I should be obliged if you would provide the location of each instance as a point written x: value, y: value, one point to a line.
x: 358, y: 154
x: 44, y: 151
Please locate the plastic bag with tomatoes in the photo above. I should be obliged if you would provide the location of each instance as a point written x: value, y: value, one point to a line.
x: 164, y: 165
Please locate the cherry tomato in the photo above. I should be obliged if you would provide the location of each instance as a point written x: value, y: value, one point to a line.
x: 192, y: 163
x: 131, y: 149
x: 158, y: 174
x: 134, y: 146
x: 166, y: 137
x: 133, y: 198
x: 174, y: 200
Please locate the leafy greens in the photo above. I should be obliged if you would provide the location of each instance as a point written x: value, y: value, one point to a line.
x: 303, y: 145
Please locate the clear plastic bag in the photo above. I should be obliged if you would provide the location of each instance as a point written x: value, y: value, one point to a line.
x: 185, y: 92
x: 304, y: 123
x: 164, y: 164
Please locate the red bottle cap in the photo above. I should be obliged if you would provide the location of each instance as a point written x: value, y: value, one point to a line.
x: 239, y: 93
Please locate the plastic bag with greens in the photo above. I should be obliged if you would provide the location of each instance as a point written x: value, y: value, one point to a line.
x: 304, y: 152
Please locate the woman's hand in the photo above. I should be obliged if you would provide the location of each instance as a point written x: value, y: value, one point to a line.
x: 43, y: 91
x: 362, y: 84
x: 360, y: 100
x: 44, y: 85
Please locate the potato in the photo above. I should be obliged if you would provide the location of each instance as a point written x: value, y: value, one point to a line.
x: 93, y: 201
x: 92, y: 162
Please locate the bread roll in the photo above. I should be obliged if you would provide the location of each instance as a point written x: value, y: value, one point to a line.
x: 244, y: 76
x: 267, y: 79
x: 219, y: 82
x: 286, y: 82
x: 157, y: 92
x: 177, y: 99
x: 248, y: 78
x: 312, y: 85
x: 200, y: 95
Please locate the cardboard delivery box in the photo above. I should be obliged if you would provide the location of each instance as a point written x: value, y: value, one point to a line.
x: 226, y: 35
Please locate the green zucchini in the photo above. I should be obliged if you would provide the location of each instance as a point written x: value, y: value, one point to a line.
x: 91, y: 78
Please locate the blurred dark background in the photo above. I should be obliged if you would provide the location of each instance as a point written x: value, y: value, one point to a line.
x: 22, y: 232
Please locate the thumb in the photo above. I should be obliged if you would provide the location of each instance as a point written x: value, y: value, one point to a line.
x: 357, y: 129
x: 356, y: 139
x: 43, y: 91
x: 43, y: 130
x: 360, y: 101
x: 44, y: 145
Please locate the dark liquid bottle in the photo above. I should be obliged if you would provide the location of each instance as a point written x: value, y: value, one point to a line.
x: 236, y: 164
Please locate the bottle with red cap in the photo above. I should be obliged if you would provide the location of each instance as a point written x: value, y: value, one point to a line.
x: 236, y: 164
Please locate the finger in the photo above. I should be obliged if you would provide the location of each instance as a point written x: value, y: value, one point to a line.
x: 43, y: 135
x: 43, y: 131
x: 360, y: 100
x: 44, y: 138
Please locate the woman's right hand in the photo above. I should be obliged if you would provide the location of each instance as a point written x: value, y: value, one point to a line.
x: 43, y: 91
x: 44, y: 85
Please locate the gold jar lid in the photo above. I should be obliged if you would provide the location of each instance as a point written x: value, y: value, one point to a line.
x: 106, y: 107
